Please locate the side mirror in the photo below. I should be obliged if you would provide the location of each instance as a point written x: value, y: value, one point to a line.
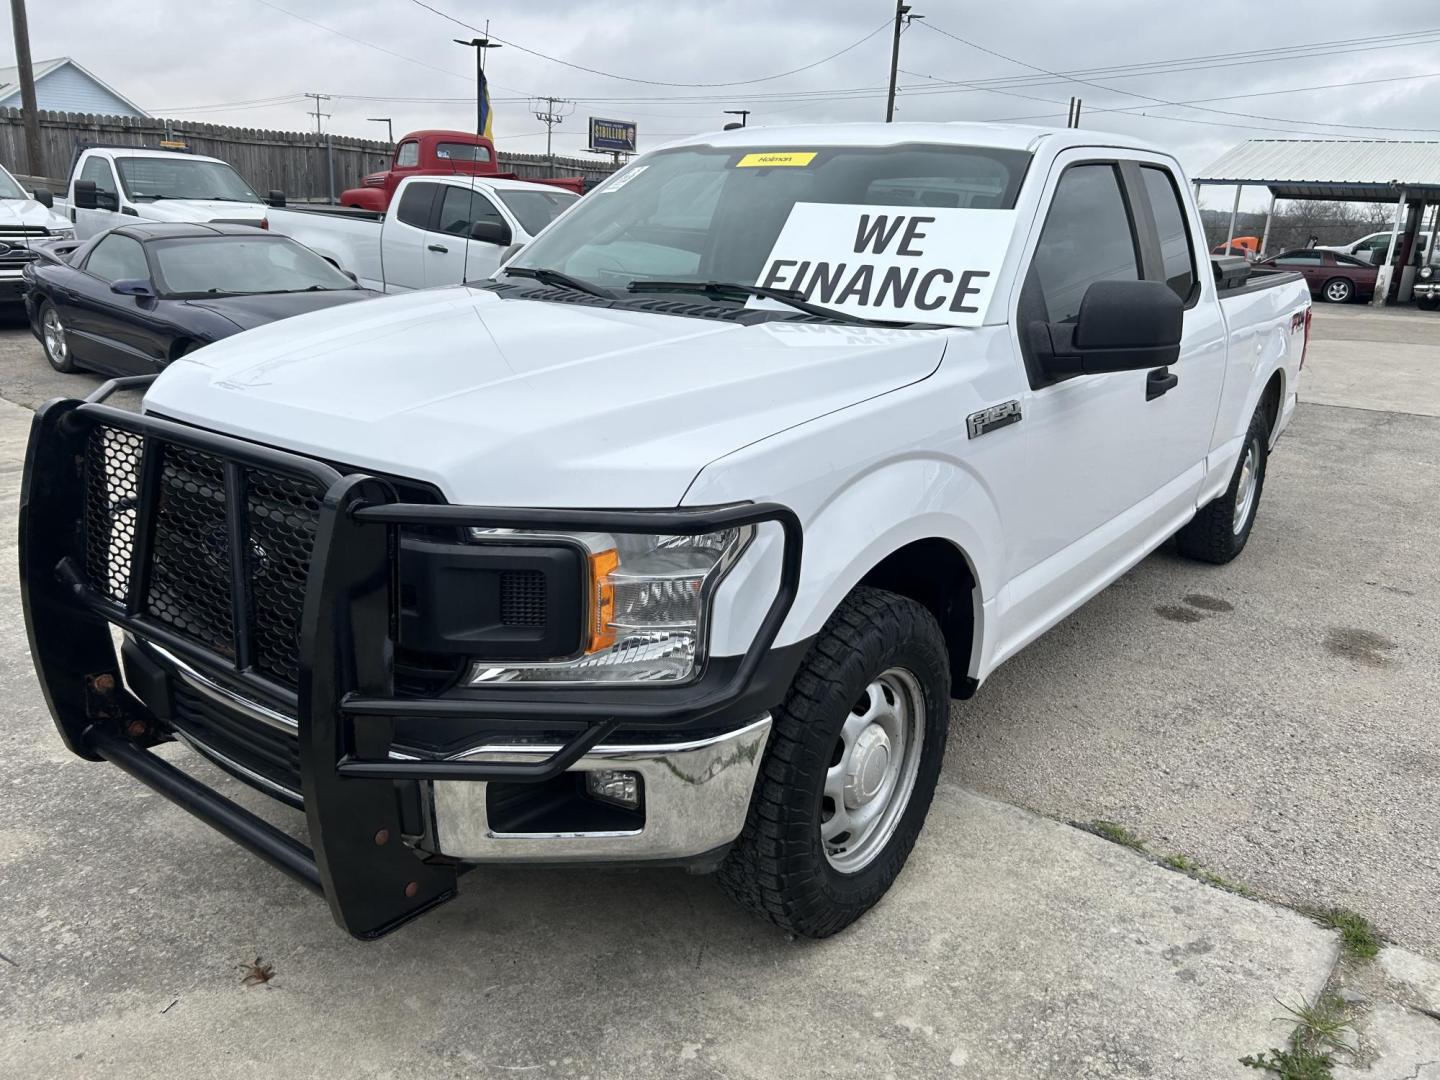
x: 510, y: 252
x: 275, y: 198
x: 132, y: 287
x: 1122, y: 326
x: 491, y: 232
x: 351, y: 275
x: 44, y: 197
x: 85, y: 195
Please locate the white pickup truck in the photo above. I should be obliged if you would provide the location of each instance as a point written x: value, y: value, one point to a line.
x: 26, y: 220
x: 115, y: 185
x: 438, y: 230
x: 675, y: 542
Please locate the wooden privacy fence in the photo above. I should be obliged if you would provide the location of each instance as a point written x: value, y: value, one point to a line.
x: 298, y: 163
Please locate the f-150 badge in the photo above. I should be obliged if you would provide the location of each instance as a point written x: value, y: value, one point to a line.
x: 996, y: 416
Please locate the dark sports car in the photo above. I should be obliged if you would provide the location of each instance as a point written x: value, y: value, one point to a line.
x: 130, y: 300
x: 1331, y: 275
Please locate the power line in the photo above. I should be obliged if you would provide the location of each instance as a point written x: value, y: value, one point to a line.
x: 653, y: 82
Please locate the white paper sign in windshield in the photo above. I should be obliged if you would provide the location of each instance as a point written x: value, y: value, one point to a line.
x: 894, y: 263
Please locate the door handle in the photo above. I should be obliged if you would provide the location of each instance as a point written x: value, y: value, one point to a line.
x: 1160, y: 381
x: 437, y: 247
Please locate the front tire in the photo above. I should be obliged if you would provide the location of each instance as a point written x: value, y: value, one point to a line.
x: 1427, y: 305
x: 851, y: 766
x: 1218, y: 532
x: 52, y: 340
x: 1338, y: 290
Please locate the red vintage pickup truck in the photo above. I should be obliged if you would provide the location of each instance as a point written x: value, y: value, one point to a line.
x: 439, y: 153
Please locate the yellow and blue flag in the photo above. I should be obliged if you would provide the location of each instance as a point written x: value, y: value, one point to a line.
x: 485, y: 118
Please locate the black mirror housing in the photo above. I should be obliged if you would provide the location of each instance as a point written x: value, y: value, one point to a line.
x: 132, y: 287
x: 86, y: 198
x: 275, y: 198
x: 491, y: 232
x: 1121, y: 326
x: 45, y: 197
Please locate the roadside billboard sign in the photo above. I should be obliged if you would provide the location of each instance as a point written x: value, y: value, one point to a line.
x: 613, y: 136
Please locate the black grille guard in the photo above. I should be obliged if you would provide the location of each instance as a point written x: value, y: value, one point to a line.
x: 345, y: 704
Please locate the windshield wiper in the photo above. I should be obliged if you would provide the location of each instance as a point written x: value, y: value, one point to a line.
x: 557, y: 279
x: 734, y: 290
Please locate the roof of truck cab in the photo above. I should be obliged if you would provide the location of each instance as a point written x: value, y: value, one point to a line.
x: 150, y: 152
x: 1000, y: 136
x: 498, y: 183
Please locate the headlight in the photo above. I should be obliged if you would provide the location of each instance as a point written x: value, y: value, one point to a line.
x: 1426, y: 273
x: 648, y: 597
x: 62, y: 234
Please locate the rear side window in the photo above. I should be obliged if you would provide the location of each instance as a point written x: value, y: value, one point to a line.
x: 454, y: 151
x: 1087, y: 238
x: 408, y: 156
x: 1176, y: 255
x: 415, y: 205
x: 1300, y: 258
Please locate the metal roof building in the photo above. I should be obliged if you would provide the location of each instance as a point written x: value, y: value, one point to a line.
x: 1348, y: 170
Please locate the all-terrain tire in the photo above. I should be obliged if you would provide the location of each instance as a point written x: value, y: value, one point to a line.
x: 1213, y: 535
x: 778, y: 867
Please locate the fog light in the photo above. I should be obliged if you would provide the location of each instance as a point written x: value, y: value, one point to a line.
x: 614, y: 786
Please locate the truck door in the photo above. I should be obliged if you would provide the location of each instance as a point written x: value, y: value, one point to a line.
x: 1112, y: 464
x: 106, y: 214
x: 451, y: 256
x: 407, y: 232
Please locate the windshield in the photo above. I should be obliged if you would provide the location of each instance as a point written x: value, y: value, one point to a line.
x: 240, y: 265
x: 536, y: 209
x: 177, y: 177
x: 9, y: 189
x: 706, y: 214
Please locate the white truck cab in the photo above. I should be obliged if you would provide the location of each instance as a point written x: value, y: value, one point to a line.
x: 438, y: 230
x: 675, y: 541
x: 109, y: 185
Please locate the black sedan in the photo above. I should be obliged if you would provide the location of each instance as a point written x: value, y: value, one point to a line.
x: 130, y: 300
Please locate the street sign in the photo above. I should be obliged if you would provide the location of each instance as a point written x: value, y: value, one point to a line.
x: 613, y: 136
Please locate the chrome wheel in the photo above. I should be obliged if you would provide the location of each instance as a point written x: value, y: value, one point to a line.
x: 872, y: 771
x: 52, y: 333
x: 1337, y: 292
x: 1245, y: 489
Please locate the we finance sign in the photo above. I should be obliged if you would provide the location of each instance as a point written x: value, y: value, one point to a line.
x: 899, y: 263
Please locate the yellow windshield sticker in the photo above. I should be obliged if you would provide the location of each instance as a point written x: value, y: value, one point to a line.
x: 755, y: 161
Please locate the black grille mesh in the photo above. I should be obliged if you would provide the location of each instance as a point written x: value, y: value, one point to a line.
x: 281, y: 516
x: 112, y: 489
x: 188, y: 587
x: 522, y: 598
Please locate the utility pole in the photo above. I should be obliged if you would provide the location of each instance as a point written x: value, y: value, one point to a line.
x: 743, y: 114
x: 479, y: 44
x: 1072, y: 119
x: 551, y: 112
x: 389, y: 127
x: 316, y: 111
x: 26, y: 72
x: 902, y: 16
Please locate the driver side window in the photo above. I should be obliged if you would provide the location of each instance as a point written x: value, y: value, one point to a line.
x: 98, y: 170
x: 118, y: 258
x: 1087, y: 237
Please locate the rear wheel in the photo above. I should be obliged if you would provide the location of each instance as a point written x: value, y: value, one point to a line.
x: 1218, y: 532
x: 1339, y: 290
x: 53, y: 340
x: 850, y: 769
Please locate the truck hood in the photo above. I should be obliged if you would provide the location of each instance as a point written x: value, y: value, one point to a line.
x: 203, y: 210
x: 29, y: 213
x: 514, y: 402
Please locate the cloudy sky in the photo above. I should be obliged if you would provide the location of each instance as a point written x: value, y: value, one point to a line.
x: 1242, y: 69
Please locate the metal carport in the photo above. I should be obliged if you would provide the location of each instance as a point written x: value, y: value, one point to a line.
x: 1342, y: 170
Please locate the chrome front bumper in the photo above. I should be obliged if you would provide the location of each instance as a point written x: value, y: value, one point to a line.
x: 696, y: 797
x: 696, y: 794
